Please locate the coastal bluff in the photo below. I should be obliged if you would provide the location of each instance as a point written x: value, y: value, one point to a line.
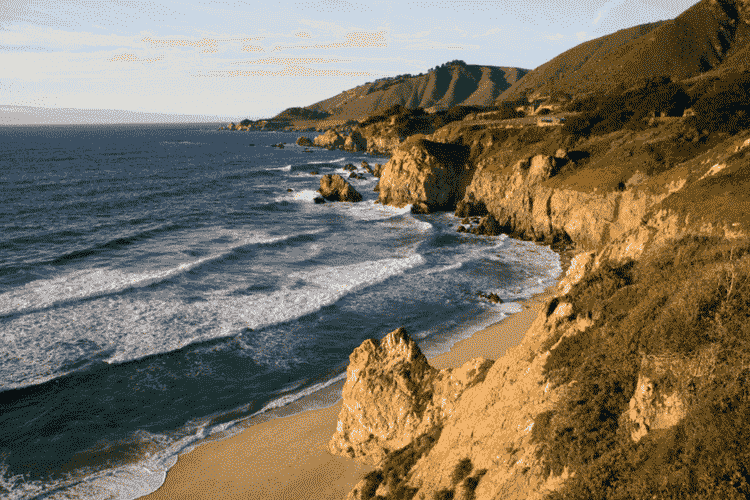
x: 638, y: 347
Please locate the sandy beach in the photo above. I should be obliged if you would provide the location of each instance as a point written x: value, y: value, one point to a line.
x: 287, y: 458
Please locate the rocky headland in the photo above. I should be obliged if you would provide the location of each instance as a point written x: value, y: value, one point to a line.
x: 641, y: 358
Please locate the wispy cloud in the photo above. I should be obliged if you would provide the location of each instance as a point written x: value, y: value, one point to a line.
x: 582, y: 36
x: 354, y: 39
x: 597, y: 18
x: 134, y: 58
x: 555, y: 37
x: 291, y: 70
x: 489, y: 32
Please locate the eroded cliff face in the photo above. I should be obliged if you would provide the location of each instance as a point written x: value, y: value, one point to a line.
x: 483, y: 414
x: 392, y: 396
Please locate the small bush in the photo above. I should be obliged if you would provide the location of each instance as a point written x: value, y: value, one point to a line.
x: 462, y: 470
x: 444, y: 494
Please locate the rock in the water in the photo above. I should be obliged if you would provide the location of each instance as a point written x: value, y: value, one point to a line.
x: 331, y: 140
x: 424, y: 171
x: 420, y: 208
x: 319, y: 200
x: 355, y: 142
x: 335, y: 188
x: 314, y: 172
x: 489, y: 226
x: 367, y: 168
x: 377, y: 170
x: 561, y: 154
x: 470, y: 206
x: 392, y: 396
x: 377, y: 187
x: 304, y: 141
x: 492, y: 297
x: 350, y: 167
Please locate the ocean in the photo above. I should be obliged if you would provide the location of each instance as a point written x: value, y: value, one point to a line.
x: 162, y: 284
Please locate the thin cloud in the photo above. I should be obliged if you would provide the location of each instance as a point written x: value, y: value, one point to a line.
x: 597, y: 18
x: 555, y: 37
x: 354, y: 39
x: 134, y: 58
x: 291, y: 70
x: 292, y: 61
x: 207, y: 44
x: 582, y: 36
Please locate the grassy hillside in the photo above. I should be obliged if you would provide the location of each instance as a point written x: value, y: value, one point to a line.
x: 712, y: 35
x: 450, y: 85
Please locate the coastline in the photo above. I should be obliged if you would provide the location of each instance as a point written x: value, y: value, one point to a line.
x: 289, y: 457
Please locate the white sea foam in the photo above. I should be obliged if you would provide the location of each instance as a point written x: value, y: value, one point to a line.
x: 89, y: 283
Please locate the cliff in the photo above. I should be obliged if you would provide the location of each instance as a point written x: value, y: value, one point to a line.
x: 634, y: 378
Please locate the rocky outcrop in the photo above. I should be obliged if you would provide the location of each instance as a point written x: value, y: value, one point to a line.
x: 335, y: 188
x: 523, y: 203
x: 392, y: 396
x: 329, y: 140
x: 486, y: 433
x: 664, y: 388
x: 355, y: 142
x: 424, y: 173
x: 304, y: 141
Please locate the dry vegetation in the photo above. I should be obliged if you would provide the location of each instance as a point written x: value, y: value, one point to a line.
x: 679, y: 300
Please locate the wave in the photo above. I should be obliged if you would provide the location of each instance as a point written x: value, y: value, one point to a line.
x: 90, y: 283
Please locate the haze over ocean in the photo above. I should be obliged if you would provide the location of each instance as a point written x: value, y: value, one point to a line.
x: 160, y: 283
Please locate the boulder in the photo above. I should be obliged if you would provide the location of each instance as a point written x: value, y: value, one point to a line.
x: 367, y: 168
x: 335, y: 188
x: 392, y: 396
x: 331, y: 140
x: 318, y: 200
x: 355, y: 142
x: 561, y: 154
x: 377, y: 170
x: 542, y: 168
x: 469, y: 206
x: 489, y: 226
x: 304, y: 141
x: 426, y: 172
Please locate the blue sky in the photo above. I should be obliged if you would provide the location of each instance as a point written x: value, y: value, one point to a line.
x: 237, y: 59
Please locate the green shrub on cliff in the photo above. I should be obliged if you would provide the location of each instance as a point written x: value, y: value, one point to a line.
x: 691, y: 294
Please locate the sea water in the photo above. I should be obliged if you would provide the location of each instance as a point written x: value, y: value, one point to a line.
x: 160, y: 284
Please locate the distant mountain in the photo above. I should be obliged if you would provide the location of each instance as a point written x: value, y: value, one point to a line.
x: 712, y: 35
x: 301, y: 114
x: 449, y: 85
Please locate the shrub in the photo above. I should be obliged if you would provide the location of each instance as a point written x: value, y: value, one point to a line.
x: 444, y: 494
x: 462, y: 470
x: 725, y: 105
x: 687, y: 294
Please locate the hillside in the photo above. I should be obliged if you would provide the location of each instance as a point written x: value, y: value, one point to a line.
x: 446, y: 86
x: 711, y: 35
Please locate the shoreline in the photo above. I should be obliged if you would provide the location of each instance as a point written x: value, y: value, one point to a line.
x: 287, y: 457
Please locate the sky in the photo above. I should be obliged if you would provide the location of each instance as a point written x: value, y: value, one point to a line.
x: 221, y: 60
